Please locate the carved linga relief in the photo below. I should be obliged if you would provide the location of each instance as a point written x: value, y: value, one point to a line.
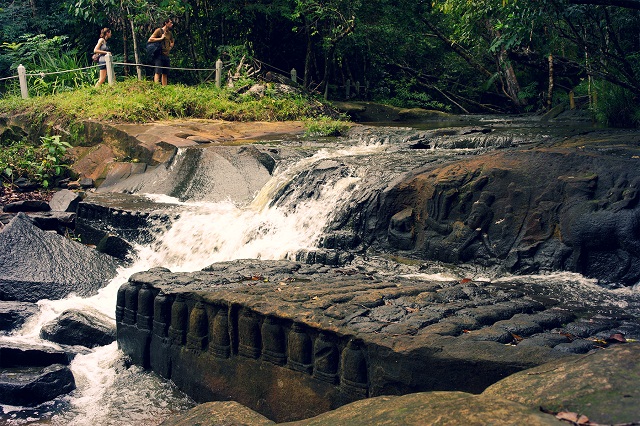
x: 205, y: 327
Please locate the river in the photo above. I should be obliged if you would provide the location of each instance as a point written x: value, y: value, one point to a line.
x: 111, y: 392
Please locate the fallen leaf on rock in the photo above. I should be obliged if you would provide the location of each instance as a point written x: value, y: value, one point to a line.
x: 617, y: 338
x: 465, y: 280
x: 575, y: 418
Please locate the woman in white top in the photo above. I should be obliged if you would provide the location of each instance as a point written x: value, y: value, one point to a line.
x: 102, y: 49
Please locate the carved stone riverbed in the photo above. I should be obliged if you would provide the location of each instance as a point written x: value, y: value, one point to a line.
x: 298, y: 274
x: 292, y: 340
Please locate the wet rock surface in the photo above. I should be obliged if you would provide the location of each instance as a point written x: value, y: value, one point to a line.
x: 600, y: 387
x: 14, y: 314
x: 33, y: 374
x: 75, y: 327
x: 362, y: 333
x: 30, y: 386
x: 35, y: 264
x: 499, y: 208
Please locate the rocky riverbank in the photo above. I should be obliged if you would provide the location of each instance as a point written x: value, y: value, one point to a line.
x: 363, y: 316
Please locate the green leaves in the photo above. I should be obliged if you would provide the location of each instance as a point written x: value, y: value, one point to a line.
x: 39, y: 164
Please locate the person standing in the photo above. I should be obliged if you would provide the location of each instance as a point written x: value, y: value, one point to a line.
x: 162, y: 62
x: 102, y: 49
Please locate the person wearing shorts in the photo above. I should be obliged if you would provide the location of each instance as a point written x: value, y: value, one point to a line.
x: 102, y: 49
x: 162, y: 62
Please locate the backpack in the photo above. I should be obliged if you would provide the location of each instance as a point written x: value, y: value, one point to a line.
x: 153, y: 50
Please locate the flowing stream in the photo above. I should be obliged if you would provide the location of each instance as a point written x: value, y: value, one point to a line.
x: 109, y: 392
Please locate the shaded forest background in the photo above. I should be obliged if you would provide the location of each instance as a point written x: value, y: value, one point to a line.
x: 460, y: 56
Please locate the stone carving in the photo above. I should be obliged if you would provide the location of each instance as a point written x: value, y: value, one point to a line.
x: 130, y: 303
x: 273, y: 340
x: 220, y: 342
x: 145, y: 308
x: 327, y: 359
x: 161, y: 315
x: 249, y: 338
x: 178, y: 327
x: 354, y: 380
x: 300, y: 349
x: 198, y: 328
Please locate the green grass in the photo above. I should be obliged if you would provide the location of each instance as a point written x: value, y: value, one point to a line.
x: 133, y: 101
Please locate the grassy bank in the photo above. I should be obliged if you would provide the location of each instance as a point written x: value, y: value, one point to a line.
x: 42, y: 158
x: 134, y: 101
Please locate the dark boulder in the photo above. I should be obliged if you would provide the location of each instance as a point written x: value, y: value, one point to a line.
x: 25, y: 355
x: 115, y: 246
x: 30, y: 386
x: 61, y: 222
x: 14, y: 314
x: 35, y: 264
x: 27, y: 206
x: 84, y: 328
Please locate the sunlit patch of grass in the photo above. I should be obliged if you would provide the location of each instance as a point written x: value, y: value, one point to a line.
x: 136, y: 101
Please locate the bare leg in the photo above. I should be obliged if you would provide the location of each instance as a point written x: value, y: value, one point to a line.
x: 156, y: 78
x: 165, y: 79
x: 102, y: 78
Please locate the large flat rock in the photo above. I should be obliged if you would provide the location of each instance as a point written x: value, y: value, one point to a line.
x: 267, y: 333
x: 36, y: 264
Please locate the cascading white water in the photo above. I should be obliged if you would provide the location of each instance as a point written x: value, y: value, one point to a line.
x: 108, y: 393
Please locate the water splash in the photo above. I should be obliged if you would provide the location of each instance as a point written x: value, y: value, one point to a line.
x: 108, y: 393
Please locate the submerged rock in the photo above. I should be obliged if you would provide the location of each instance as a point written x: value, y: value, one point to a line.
x: 14, y: 314
x: 35, y: 264
x: 30, y: 386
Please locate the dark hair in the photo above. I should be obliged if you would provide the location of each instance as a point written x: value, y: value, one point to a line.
x: 166, y: 21
x: 104, y: 31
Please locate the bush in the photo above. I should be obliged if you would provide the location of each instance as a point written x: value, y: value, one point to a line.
x: 616, y: 106
x: 611, y: 105
x: 40, y: 164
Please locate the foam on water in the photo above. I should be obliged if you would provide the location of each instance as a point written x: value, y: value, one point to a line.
x: 108, y: 393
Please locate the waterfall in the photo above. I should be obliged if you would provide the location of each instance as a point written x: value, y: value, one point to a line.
x: 205, y: 232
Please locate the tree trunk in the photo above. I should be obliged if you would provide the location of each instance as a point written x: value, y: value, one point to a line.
x: 135, y: 48
x: 511, y: 87
x: 333, y: 44
x: 550, y: 93
x: 192, y: 50
x: 307, y: 60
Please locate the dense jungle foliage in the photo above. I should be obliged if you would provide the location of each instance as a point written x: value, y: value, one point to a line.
x: 475, y: 56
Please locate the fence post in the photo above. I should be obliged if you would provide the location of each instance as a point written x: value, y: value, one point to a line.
x: 572, y: 101
x: 22, y: 76
x: 218, y: 72
x: 294, y: 75
x: 108, y: 60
